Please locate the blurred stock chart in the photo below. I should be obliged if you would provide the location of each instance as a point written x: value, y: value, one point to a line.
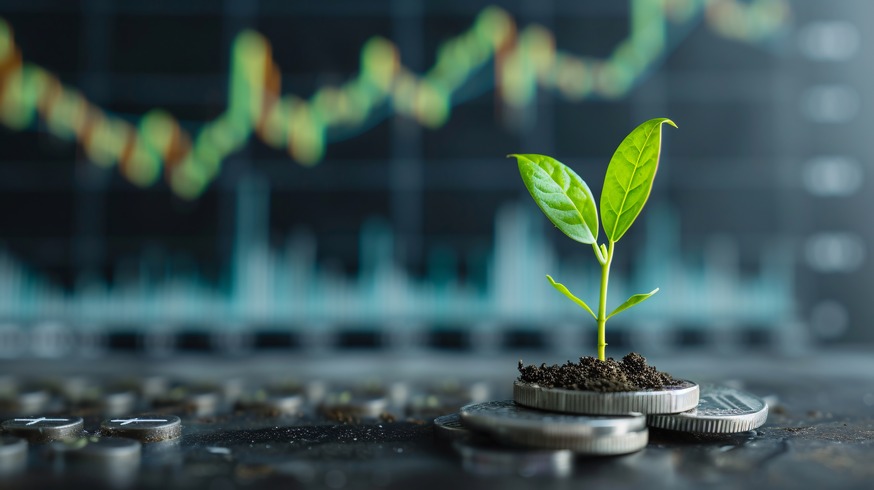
x: 235, y: 175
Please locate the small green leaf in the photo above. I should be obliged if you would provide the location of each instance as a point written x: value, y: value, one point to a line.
x: 637, y: 298
x: 564, y: 290
x: 562, y: 196
x: 629, y: 177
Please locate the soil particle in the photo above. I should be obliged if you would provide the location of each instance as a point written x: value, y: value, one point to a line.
x: 797, y: 430
x: 591, y: 374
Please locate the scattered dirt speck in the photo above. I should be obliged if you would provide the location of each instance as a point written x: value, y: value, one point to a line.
x: 342, y: 416
x: 797, y: 430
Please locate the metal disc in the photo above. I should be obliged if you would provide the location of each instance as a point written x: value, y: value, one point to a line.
x: 721, y: 410
x: 596, y: 435
x: 273, y: 401
x: 355, y: 403
x: 673, y: 399
x: 450, y: 428
x: 13, y: 452
x: 107, y: 450
x: 43, y: 429
x: 145, y: 428
x: 114, y: 460
x: 483, y: 457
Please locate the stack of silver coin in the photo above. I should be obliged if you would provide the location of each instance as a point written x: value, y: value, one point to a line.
x: 541, y: 429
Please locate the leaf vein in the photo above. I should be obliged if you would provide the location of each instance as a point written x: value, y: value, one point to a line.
x: 636, y: 166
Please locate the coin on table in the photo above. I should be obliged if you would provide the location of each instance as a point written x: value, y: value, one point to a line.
x: 354, y: 402
x: 277, y: 402
x: 43, y: 429
x: 450, y: 428
x: 670, y: 399
x: 106, y: 450
x: 145, y: 428
x: 720, y: 410
x: 511, y: 423
x: 488, y: 458
x: 13, y: 453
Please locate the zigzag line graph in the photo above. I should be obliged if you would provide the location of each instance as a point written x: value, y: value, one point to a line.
x: 523, y: 61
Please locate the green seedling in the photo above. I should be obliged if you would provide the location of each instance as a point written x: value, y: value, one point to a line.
x: 567, y: 201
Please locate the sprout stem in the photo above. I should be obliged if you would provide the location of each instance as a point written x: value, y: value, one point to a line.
x: 602, y: 304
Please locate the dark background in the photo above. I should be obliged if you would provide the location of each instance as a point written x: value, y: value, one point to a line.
x: 757, y: 230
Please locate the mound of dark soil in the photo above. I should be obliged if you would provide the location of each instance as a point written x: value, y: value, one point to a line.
x: 630, y: 374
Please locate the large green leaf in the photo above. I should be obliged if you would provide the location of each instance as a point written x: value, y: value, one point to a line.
x: 565, y: 291
x: 562, y: 196
x: 637, y: 298
x: 629, y: 177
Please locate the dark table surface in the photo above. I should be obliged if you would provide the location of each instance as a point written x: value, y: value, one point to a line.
x: 819, y: 433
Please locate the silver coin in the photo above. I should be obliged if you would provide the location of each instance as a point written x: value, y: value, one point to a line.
x: 673, y: 399
x: 25, y: 400
x: 145, y: 428
x: 278, y: 402
x: 483, y: 457
x: 356, y: 403
x: 422, y: 405
x: 13, y: 452
x: 721, y: 410
x: 112, y: 401
x: 43, y: 429
x: 114, y: 461
x: 107, y: 449
x: 197, y: 399
x: 450, y: 428
x: 508, y: 422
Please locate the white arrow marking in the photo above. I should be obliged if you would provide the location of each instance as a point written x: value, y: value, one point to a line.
x: 135, y: 421
x: 41, y: 419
